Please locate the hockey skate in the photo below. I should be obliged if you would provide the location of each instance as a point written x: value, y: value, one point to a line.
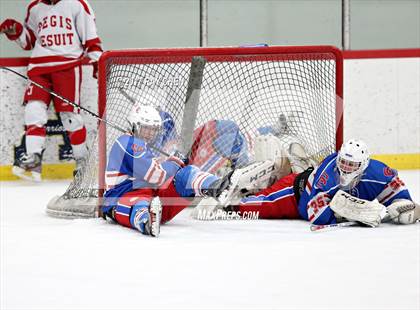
x: 28, y: 167
x: 147, y: 220
x: 299, y: 159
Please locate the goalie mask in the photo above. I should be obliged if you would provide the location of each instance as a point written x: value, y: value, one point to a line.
x: 352, y: 160
x: 145, y: 122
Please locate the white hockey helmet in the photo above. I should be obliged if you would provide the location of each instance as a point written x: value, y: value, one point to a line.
x: 145, y: 122
x: 352, y: 160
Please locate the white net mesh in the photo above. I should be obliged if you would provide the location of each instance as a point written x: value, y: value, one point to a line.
x: 292, y: 95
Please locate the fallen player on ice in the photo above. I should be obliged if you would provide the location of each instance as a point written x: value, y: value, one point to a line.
x: 346, y: 187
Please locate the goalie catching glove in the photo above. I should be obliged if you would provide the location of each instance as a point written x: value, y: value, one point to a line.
x: 404, y: 211
x: 352, y: 208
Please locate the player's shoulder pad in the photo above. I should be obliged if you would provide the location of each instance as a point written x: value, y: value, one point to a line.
x: 325, y: 176
x: 379, y: 171
x: 31, y: 6
x: 226, y: 126
x: 86, y: 6
x: 131, y: 145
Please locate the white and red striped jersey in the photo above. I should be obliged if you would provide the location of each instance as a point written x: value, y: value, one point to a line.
x: 60, y: 35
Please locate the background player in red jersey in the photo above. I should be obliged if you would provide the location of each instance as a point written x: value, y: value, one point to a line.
x: 60, y: 34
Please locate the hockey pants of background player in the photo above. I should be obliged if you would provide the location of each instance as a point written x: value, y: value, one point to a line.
x: 275, y: 202
x: 67, y: 84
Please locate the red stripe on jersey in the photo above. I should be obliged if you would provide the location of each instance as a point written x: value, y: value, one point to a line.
x: 85, y: 6
x: 49, y: 69
x: 161, y: 178
x: 115, y: 174
x: 30, y: 40
x: 387, y: 196
x: 94, y: 48
x: 92, y: 42
x: 30, y: 6
x: 150, y: 173
x: 47, y: 59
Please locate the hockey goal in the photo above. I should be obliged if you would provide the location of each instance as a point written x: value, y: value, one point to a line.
x: 298, y: 90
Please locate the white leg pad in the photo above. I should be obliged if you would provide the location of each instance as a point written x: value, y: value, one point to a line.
x: 80, y: 150
x: 34, y: 144
x: 71, y: 121
x: 36, y: 113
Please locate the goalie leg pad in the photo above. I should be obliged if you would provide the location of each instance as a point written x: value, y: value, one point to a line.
x: 299, y: 159
x: 250, y: 178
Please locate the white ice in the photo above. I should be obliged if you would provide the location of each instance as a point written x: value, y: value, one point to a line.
x: 48, y: 263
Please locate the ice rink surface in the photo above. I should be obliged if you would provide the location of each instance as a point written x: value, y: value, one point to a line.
x: 49, y: 263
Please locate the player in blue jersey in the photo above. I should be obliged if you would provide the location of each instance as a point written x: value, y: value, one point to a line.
x: 135, y: 175
x: 219, y: 144
x: 346, y: 186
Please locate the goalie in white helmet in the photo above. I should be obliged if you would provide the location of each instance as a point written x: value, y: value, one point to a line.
x: 346, y: 185
x: 352, y: 161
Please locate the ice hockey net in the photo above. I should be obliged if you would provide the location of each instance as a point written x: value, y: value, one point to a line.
x: 296, y: 89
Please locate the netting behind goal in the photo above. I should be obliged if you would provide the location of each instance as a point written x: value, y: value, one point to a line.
x: 296, y: 92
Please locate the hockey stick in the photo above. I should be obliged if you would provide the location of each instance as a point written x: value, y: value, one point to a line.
x: 328, y: 227
x: 386, y: 219
x: 115, y: 126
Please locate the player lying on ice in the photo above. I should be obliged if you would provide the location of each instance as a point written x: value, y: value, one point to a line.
x: 345, y: 186
x: 134, y: 174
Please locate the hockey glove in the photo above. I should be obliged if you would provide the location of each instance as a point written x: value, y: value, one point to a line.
x: 12, y: 28
x: 404, y: 211
x: 179, y: 158
x: 355, y: 209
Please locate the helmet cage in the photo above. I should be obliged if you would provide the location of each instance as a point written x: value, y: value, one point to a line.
x: 146, y: 132
x: 352, y: 160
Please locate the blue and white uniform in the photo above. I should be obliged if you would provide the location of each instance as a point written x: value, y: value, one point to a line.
x: 281, y: 200
x: 132, y: 165
x: 378, y: 181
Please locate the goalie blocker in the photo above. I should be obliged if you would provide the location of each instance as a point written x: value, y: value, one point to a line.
x: 327, y: 194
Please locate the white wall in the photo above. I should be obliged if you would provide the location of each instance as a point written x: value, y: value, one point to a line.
x: 381, y: 102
